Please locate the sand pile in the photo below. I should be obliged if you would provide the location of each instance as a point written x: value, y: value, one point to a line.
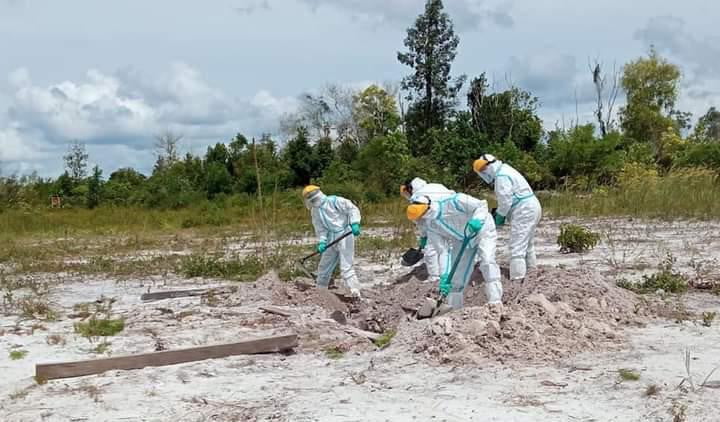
x: 554, y: 314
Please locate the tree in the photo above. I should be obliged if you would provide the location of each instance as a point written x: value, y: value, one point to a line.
x: 166, y: 149
x: 218, y: 179
x: 375, y: 112
x: 94, y: 188
x: 708, y: 127
x: 606, y: 95
x: 651, y: 86
x: 383, y: 163
x: 323, y: 155
x: 76, y: 161
x: 432, y: 46
x: 299, y: 157
x: 329, y: 112
x: 505, y: 116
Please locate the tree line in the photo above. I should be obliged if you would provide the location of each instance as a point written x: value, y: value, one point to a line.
x: 364, y: 143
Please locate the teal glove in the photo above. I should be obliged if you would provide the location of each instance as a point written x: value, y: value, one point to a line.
x: 355, y: 229
x: 475, y: 225
x: 321, y: 247
x: 423, y: 242
x: 444, y: 285
x: 499, y: 220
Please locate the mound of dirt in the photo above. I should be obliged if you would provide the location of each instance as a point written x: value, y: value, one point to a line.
x: 555, y: 313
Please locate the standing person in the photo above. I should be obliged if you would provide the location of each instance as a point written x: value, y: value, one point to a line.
x: 332, y: 216
x: 448, y: 221
x: 416, y: 188
x: 517, y: 203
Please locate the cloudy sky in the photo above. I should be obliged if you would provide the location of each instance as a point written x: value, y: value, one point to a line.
x: 114, y: 73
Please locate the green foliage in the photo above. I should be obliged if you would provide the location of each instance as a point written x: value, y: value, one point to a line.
x: 431, y: 48
x: 299, y: 157
x: 219, y: 180
x: 240, y: 269
x: 665, y: 279
x: 708, y: 127
x: 76, y: 161
x: 628, y: 375
x: 708, y: 318
x: 505, y: 116
x: 334, y: 352
x: 103, y: 327
x: 94, y: 188
x: 375, y: 112
x: 323, y: 156
x: 384, y: 174
x: 18, y: 354
x: 384, y: 340
x: 576, y: 239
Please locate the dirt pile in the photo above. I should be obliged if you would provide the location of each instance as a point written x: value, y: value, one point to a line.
x: 554, y: 314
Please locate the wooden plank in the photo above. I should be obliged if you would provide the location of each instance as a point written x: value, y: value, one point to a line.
x: 151, y: 297
x: 362, y: 333
x: 49, y: 371
x: 276, y: 311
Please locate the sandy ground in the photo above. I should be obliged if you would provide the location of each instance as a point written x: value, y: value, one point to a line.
x: 366, y: 383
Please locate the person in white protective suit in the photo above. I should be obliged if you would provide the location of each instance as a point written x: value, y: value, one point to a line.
x: 517, y: 203
x: 417, y: 188
x: 447, y: 223
x: 333, y: 216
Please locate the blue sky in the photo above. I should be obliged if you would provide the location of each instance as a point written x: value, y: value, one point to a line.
x: 114, y: 74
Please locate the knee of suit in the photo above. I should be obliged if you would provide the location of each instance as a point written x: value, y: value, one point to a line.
x: 490, y: 272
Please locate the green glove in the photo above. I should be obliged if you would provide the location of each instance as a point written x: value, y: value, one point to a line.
x: 444, y: 285
x: 423, y: 242
x: 355, y: 229
x: 475, y: 225
x: 321, y: 247
x: 499, y: 220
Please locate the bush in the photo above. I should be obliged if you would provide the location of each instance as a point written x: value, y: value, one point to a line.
x: 666, y: 279
x: 576, y: 239
x: 99, y: 327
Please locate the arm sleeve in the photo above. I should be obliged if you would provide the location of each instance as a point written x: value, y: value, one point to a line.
x: 320, y: 231
x: 503, y: 193
x: 350, y: 209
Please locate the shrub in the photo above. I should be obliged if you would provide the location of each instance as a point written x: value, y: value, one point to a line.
x: 665, y: 279
x: 99, y: 327
x: 576, y: 239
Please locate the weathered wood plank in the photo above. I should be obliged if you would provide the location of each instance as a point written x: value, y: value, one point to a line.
x: 151, y: 297
x: 276, y: 311
x: 276, y: 344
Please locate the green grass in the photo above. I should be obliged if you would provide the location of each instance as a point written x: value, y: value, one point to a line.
x: 628, y: 375
x: 99, y: 327
x: 18, y: 354
x: 576, y: 239
x: 708, y: 318
x: 665, y: 279
x: 384, y: 340
x: 334, y: 353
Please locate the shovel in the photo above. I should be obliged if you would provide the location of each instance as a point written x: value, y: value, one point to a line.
x: 309, y: 273
x: 440, y: 306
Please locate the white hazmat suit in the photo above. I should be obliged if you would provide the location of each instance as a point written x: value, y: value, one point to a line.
x: 518, y: 203
x: 445, y: 224
x: 434, y: 191
x: 331, y: 218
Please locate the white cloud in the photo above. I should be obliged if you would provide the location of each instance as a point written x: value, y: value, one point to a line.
x: 124, y: 110
x: 466, y: 14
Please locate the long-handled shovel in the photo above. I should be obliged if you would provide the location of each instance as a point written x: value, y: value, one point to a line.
x: 302, y: 261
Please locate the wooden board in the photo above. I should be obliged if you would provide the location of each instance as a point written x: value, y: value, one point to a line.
x: 276, y: 311
x: 49, y: 371
x: 151, y: 297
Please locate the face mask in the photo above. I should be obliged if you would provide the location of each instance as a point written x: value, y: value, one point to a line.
x: 486, y: 177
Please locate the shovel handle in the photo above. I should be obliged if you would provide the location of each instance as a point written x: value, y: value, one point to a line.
x: 328, y: 246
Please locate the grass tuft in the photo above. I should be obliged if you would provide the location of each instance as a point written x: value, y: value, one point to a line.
x: 334, y: 352
x: 628, y: 375
x: 384, y: 340
x: 18, y: 354
x: 576, y: 239
x: 99, y: 327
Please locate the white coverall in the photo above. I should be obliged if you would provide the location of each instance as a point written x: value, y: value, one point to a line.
x: 434, y: 191
x: 444, y: 223
x: 517, y: 202
x: 331, y: 218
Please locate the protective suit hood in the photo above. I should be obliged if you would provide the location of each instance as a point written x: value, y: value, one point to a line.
x: 490, y: 171
x: 315, y: 199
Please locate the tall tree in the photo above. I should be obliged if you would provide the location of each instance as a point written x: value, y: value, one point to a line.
x: 167, y: 149
x: 94, y: 188
x: 708, y: 127
x: 606, y: 92
x: 299, y: 158
x: 323, y: 155
x: 651, y: 86
x: 505, y: 116
x: 76, y: 161
x: 375, y: 112
x: 432, y: 45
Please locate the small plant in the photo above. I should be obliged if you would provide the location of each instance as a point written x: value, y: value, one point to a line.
x: 666, y: 279
x: 628, y: 375
x: 99, y: 327
x: 384, y: 340
x: 652, y: 390
x: 334, y: 352
x: 35, y: 308
x: 576, y: 239
x: 708, y: 318
x: 247, y: 269
x: 678, y: 412
x: 101, y: 348
x: 54, y: 340
x: 18, y: 354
